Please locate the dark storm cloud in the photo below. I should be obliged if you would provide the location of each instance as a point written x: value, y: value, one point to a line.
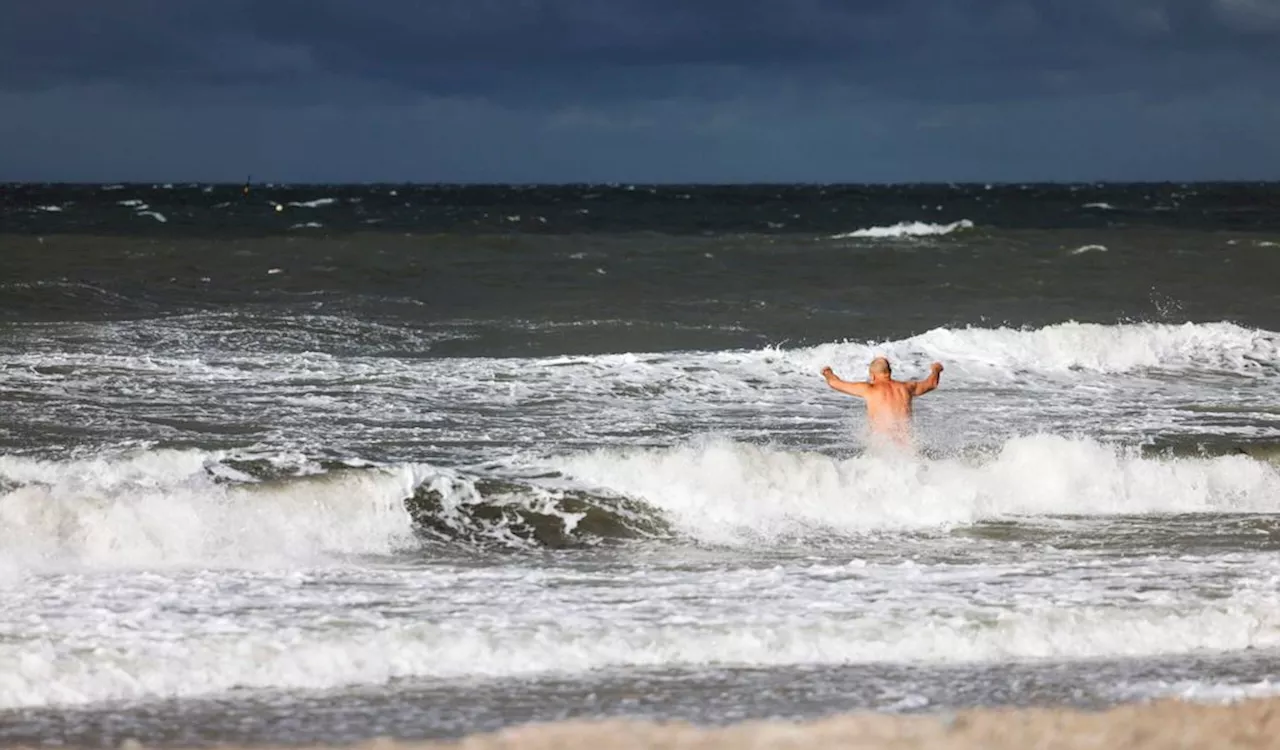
x: 961, y: 49
x: 656, y: 90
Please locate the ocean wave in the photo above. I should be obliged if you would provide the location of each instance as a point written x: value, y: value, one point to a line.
x: 452, y: 507
x: 176, y: 508
x: 1071, y: 346
x: 189, y: 507
x: 171, y: 507
x: 733, y: 493
x: 317, y: 203
x: 906, y: 229
x: 970, y: 353
x: 375, y: 649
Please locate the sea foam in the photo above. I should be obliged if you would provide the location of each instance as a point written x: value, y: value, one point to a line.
x: 115, y: 662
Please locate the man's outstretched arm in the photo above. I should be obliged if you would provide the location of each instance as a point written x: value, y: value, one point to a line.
x: 921, y: 387
x: 844, y: 386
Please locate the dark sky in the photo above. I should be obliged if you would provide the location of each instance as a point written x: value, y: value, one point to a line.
x: 639, y: 90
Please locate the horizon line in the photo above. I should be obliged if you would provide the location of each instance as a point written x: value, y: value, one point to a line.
x: 626, y: 184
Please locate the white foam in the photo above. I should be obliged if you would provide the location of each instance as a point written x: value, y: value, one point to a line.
x: 371, y: 648
x: 51, y: 209
x: 155, y: 215
x: 317, y: 203
x: 998, y: 382
x: 163, y: 508
x: 1067, y: 347
x: 132, y: 203
x: 1201, y: 691
x: 308, y: 225
x: 1089, y: 249
x: 734, y: 493
x: 1102, y: 206
x: 907, y: 229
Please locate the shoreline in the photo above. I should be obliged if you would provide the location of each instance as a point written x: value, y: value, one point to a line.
x: 1165, y: 723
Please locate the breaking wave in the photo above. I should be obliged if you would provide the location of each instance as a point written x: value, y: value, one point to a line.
x: 732, y: 493
x: 171, y: 507
x: 184, y: 507
x: 1072, y: 346
x: 190, y: 507
x: 386, y: 649
x: 451, y: 507
x: 906, y: 229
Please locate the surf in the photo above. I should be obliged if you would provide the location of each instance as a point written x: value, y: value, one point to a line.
x: 164, y: 508
x: 724, y: 492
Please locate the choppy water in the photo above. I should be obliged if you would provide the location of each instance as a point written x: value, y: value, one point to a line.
x: 425, y: 468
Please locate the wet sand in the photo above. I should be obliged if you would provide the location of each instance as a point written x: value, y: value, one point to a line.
x: 1161, y: 724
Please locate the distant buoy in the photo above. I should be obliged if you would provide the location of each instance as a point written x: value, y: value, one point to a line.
x: 279, y: 207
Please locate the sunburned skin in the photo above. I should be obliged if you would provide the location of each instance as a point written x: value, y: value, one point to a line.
x: 888, y: 400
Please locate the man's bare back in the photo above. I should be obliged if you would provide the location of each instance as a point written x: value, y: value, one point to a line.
x: 888, y: 400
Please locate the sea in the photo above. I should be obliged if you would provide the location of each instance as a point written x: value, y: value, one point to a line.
x: 287, y: 464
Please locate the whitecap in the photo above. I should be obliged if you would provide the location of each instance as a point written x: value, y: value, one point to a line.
x: 907, y: 229
x: 317, y: 203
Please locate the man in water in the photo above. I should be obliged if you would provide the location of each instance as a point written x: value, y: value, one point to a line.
x: 888, y: 400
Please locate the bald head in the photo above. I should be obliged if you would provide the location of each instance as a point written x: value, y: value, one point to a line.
x: 880, y: 367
